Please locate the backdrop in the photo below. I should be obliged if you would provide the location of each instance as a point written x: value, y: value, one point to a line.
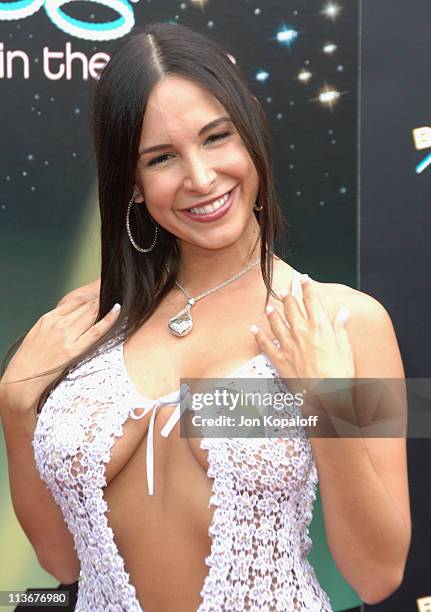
x: 302, y: 62
x: 395, y: 215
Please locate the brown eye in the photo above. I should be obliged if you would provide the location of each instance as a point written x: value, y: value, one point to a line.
x: 214, y: 137
x: 220, y: 135
x: 157, y: 160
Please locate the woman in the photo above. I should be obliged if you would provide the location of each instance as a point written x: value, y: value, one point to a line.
x: 161, y: 522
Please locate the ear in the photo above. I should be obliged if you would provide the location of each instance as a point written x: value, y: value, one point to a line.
x: 137, y: 195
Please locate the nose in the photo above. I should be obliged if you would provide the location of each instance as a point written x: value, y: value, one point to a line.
x: 200, y: 176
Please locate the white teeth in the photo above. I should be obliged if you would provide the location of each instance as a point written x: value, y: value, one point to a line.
x: 204, y: 210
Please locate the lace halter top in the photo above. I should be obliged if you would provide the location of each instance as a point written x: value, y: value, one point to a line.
x: 262, y: 492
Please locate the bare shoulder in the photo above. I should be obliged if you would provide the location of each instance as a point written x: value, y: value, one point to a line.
x: 370, y: 326
x: 334, y: 295
x: 363, y: 307
x: 92, y: 288
x: 370, y: 329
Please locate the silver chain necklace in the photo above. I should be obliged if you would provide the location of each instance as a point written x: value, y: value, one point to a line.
x: 182, y: 323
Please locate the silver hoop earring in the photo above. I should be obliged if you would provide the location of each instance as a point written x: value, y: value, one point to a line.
x: 258, y: 208
x: 138, y: 248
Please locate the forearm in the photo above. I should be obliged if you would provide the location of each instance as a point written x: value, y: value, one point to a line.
x: 36, y: 511
x: 367, y: 536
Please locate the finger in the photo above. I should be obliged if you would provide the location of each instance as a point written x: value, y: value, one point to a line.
x: 76, y: 322
x: 72, y: 303
x: 81, y: 318
x: 316, y: 314
x: 295, y: 317
x: 340, y: 327
x: 85, y: 314
x: 278, y: 326
x: 70, y: 311
x: 264, y: 343
x: 101, y: 327
x: 341, y: 317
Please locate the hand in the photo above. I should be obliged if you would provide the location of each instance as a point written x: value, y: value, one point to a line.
x: 57, y: 337
x: 311, y: 347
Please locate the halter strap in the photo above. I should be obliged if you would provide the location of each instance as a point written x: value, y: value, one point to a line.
x: 175, y: 398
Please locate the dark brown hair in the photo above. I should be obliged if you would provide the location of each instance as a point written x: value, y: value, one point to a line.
x: 138, y: 281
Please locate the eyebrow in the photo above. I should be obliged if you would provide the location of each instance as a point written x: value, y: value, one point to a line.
x: 209, y: 126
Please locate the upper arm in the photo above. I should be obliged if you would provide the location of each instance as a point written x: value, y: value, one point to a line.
x: 375, y: 343
x: 377, y: 355
x: 88, y: 289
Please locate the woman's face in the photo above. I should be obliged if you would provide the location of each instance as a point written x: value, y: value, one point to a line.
x: 196, y: 165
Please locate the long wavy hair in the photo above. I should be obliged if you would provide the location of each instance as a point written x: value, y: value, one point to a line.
x: 139, y: 282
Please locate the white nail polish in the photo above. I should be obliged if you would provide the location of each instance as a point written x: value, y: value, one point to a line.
x: 269, y: 309
x: 254, y: 329
x: 304, y: 278
x: 283, y: 293
x: 343, y: 314
x: 116, y: 307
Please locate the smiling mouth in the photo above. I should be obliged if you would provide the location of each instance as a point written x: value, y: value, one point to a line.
x: 214, y: 211
x: 212, y: 207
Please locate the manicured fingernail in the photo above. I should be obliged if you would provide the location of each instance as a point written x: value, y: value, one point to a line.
x: 343, y: 314
x: 305, y: 278
x: 116, y: 307
x: 254, y: 329
x: 283, y: 293
x: 269, y: 309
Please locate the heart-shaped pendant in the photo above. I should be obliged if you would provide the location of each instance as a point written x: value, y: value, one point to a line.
x: 182, y: 323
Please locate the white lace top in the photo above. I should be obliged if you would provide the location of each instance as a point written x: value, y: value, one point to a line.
x: 263, y: 491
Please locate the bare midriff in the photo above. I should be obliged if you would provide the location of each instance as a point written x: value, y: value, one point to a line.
x: 163, y: 538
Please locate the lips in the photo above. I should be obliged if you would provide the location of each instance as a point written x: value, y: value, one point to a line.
x: 202, y: 204
x: 213, y: 216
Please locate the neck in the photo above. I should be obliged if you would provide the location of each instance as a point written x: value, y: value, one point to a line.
x: 202, y: 269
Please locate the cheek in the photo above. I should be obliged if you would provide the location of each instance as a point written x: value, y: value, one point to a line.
x: 240, y: 164
x: 158, y: 190
x: 236, y: 161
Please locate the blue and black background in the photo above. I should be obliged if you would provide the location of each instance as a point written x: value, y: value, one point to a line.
x: 344, y: 172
